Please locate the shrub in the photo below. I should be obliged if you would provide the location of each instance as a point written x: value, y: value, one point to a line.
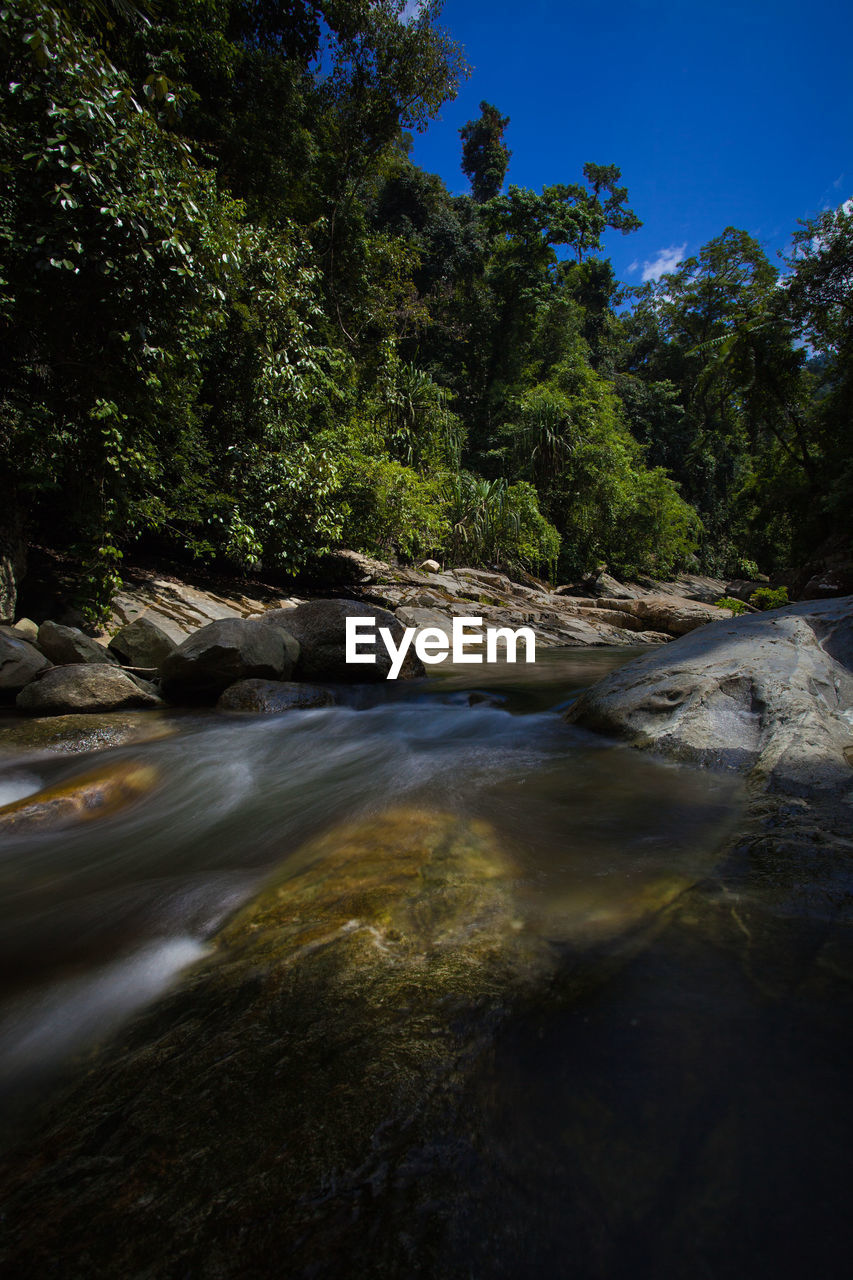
x: 769, y: 598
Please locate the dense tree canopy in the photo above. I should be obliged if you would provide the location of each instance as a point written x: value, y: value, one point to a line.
x: 237, y: 322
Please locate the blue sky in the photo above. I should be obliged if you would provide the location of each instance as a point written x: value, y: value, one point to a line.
x: 718, y: 114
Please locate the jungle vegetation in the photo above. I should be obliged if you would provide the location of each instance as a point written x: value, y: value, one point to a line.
x: 238, y: 323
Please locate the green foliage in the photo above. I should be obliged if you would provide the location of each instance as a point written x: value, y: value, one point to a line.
x: 485, y: 158
x: 729, y: 602
x: 769, y: 598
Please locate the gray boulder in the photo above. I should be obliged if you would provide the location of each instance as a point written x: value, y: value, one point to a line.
x: 20, y: 662
x: 67, y: 645
x: 224, y: 652
x: 767, y: 693
x: 142, y: 643
x: 83, y: 687
x: 320, y: 628
x: 272, y: 696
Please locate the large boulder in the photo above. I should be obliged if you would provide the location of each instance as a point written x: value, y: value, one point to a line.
x: 320, y: 628
x: 142, y: 643
x: 67, y: 645
x: 272, y: 696
x: 20, y: 662
x: 224, y: 652
x: 84, y: 686
x: 771, y: 693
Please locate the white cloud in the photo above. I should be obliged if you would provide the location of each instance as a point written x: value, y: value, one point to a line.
x: 665, y: 262
x: 635, y: 266
x: 411, y: 9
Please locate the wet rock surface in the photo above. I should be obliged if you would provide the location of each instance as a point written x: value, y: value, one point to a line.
x: 272, y: 696
x: 100, y: 793
x: 81, y: 732
x: 330, y: 1039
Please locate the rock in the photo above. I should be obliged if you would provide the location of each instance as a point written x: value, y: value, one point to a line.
x: 334, y: 1040
x: 27, y: 629
x: 320, y: 628
x: 97, y: 794
x: 224, y: 652
x: 82, y: 733
x: 430, y: 566
x: 605, y: 585
x: 20, y: 662
x: 272, y: 696
x: 67, y: 645
x: 85, y: 686
x: 769, y: 693
x: 142, y: 643
x: 13, y: 551
x: 670, y: 614
x: 180, y: 609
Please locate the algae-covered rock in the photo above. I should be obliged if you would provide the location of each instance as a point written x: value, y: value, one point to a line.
x: 316, y: 1062
x: 97, y: 794
x: 80, y: 733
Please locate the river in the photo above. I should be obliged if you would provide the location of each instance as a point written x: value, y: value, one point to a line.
x: 682, y: 1108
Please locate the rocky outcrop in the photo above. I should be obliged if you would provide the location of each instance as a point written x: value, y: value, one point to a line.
x: 86, y: 686
x: 97, y: 794
x: 272, y: 696
x: 20, y: 662
x: 83, y: 732
x: 767, y: 693
x: 67, y: 645
x: 320, y: 628
x: 224, y: 652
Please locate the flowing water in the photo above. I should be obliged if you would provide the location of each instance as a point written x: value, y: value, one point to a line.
x: 700, y: 1079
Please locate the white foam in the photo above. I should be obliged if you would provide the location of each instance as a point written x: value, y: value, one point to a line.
x: 40, y: 1030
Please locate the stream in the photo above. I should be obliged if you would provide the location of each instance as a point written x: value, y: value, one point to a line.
x: 668, y: 1096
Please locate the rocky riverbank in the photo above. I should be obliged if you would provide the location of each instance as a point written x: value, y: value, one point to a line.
x: 169, y: 642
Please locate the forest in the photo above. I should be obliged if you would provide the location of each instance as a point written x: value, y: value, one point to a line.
x: 241, y: 327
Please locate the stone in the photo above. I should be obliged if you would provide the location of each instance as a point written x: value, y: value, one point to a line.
x: 320, y: 628
x: 67, y: 645
x: 222, y: 653
x: 27, y: 629
x: 671, y: 614
x: 605, y: 585
x: 272, y: 696
x: 766, y: 693
x: 20, y: 662
x: 97, y: 794
x: 142, y: 643
x: 73, y: 734
x: 430, y: 566
x: 85, y: 686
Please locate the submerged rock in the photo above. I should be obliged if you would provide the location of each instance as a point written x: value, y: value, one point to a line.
x: 318, y: 1058
x: 85, y: 686
x: 97, y: 794
x: 83, y: 732
x: 224, y: 652
x: 272, y: 696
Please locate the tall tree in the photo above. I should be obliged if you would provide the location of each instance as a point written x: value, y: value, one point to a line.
x: 485, y: 157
